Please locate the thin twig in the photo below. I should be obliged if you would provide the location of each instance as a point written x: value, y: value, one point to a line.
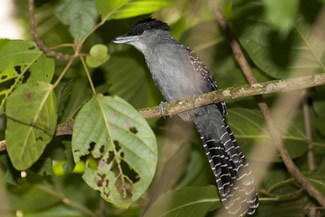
x: 310, y: 154
x: 39, y: 42
x: 266, y: 113
x: 65, y: 200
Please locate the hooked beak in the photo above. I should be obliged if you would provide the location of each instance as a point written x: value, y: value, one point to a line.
x: 124, y: 39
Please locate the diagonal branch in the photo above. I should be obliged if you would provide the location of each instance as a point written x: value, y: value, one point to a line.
x: 38, y: 40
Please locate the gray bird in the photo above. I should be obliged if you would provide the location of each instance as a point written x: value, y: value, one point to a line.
x: 179, y: 73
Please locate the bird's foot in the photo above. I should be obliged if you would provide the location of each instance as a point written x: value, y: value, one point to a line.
x: 161, y: 108
x: 196, y: 110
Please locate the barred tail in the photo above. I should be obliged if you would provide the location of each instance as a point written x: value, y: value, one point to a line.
x: 234, y: 181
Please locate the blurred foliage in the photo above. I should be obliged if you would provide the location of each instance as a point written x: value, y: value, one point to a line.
x: 112, y: 142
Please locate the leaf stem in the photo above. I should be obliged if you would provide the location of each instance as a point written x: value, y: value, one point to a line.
x: 279, y: 184
x: 105, y: 119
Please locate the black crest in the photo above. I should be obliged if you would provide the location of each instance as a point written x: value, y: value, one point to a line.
x: 147, y: 24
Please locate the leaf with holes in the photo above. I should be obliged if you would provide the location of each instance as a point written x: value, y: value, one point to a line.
x: 121, y: 149
x: 130, y: 8
x: 189, y: 201
x: 15, y: 56
x: 31, y: 121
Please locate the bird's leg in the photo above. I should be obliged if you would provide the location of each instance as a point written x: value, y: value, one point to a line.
x: 161, y: 108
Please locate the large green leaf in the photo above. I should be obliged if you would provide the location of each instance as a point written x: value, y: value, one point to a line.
x: 125, y: 163
x: 270, y: 52
x: 31, y: 121
x: 80, y: 16
x: 189, y: 201
x: 248, y: 125
x: 130, y: 8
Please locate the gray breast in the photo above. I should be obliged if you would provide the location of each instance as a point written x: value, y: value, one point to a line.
x: 174, y: 74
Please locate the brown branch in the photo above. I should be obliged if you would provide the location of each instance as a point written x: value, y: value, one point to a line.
x: 277, y: 140
x: 236, y: 92
x: 39, y: 42
x: 276, y: 86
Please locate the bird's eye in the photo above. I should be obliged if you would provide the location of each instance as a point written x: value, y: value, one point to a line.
x: 140, y: 31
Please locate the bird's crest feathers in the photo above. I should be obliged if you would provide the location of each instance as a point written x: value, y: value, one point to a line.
x: 148, y: 24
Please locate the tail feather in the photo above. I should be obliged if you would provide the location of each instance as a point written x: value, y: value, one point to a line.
x: 233, y: 177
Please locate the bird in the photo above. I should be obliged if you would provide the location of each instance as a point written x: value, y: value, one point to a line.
x: 179, y: 73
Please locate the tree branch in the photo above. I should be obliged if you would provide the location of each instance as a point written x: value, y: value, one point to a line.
x: 275, y: 86
x: 195, y: 102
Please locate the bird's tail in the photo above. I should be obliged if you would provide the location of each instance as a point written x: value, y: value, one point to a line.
x: 234, y: 181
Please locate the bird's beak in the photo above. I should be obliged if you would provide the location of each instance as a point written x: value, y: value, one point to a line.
x: 124, y: 39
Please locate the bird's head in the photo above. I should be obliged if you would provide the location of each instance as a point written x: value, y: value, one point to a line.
x: 145, y: 33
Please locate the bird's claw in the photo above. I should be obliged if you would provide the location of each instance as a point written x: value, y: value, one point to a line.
x: 161, y: 108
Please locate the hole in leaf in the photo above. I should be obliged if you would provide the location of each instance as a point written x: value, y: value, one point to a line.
x: 114, y: 168
x: 110, y: 157
x: 18, y: 69
x: 91, y: 163
x: 91, y: 146
x: 125, y: 189
x: 101, y: 181
x: 129, y: 172
x: 31, y: 48
x: 39, y: 138
x: 117, y: 145
x: 122, y: 154
x: 26, y: 76
x: 102, y: 149
x: 3, y: 77
x: 133, y: 130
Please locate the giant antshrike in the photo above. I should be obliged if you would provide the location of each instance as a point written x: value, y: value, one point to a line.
x: 179, y: 73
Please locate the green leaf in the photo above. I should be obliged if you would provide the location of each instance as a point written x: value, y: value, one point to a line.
x: 318, y: 181
x: 320, y: 125
x: 29, y: 197
x: 31, y: 121
x: 129, y: 79
x: 124, y: 168
x: 189, y: 201
x: 269, y: 51
x: 130, y: 8
x: 291, y: 208
x: 42, y: 69
x: 17, y: 53
x: 15, y: 56
x: 80, y: 16
x: 248, y: 125
x: 281, y: 14
x: 98, y: 56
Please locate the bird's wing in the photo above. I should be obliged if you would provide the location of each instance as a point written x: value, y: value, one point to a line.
x: 204, y: 71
